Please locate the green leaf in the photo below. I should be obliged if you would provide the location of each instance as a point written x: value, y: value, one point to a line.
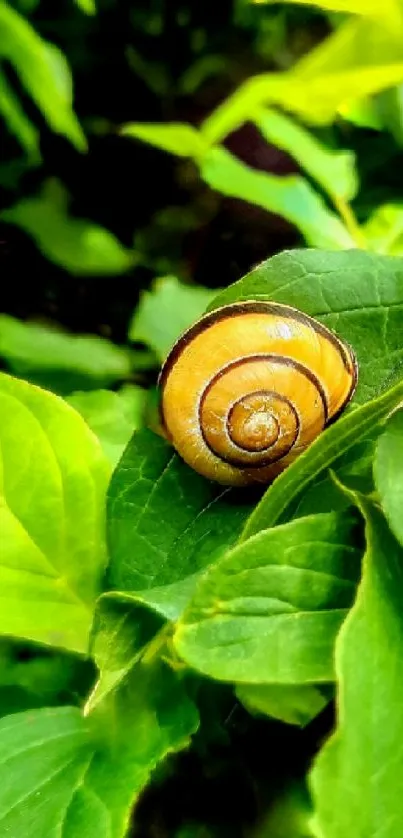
x: 129, y: 626
x: 79, y: 246
x: 384, y: 230
x: 333, y: 442
x: 67, y: 776
x: 288, y: 814
x: 166, y: 311
x: 167, y: 601
x: 87, y: 6
x: 111, y: 416
x: 17, y: 121
x: 292, y: 704
x: 165, y: 522
x: 43, y: 71
x: 362, y: 112
x: 52, y: 552
x: 47, y: 674
x: 334, y: 170
x: 361, y: 44
x: 121, y: 633
x: 388, y: 107
x: 353, y: 470
x: 364, y: 753
x: 290, y: 196
x: 29, y: 347
x: 356, y: 294
x: 388, y: 472
x: 175, y: 137
x: 314, y: 96
x: 269, y: 611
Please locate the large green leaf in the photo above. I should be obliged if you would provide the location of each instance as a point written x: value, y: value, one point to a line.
x: 324, y: 451
x: 357, y: 778
x: 388, y: 469
x: 53, y: 484
x: 359, y: 295
x: 43, y: 71
x: 76, y: 244
x: 112, y: 416
x: 165, y: 522
x: 334, y: 170
x: 290, y: 196
x: 269, y: 611
x: 67, y: 776
x: 166, y: 311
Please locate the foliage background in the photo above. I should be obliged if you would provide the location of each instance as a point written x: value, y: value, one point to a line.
x: 109, y: 246
x: 153, y: 62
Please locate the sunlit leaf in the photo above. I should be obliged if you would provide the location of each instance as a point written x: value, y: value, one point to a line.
x: 176, y: 138
x: 112, y: 416
x: 358, y: 7
x: 52, y: 550
x: 361, y: 58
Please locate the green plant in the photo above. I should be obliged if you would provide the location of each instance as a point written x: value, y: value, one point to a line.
x: 346, y: 76
x: 275, y: 603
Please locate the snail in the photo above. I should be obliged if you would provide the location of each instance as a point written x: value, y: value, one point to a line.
x: 247, y: 388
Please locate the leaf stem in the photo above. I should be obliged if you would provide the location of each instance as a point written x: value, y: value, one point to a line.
x: 346, y: 213
x: 156, y: 644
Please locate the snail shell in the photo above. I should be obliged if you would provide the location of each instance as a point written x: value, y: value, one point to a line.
x: 247, y: 388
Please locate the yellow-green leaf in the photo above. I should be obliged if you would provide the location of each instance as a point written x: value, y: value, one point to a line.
x: 52, y: 493
x: 175, y: 137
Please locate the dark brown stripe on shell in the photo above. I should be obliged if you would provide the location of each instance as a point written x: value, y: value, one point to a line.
x: 350, y: 394
x: 252, y: 307
x: 273, y: 359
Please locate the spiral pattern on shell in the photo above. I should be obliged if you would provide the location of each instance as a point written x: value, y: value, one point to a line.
x: 247, y: 388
